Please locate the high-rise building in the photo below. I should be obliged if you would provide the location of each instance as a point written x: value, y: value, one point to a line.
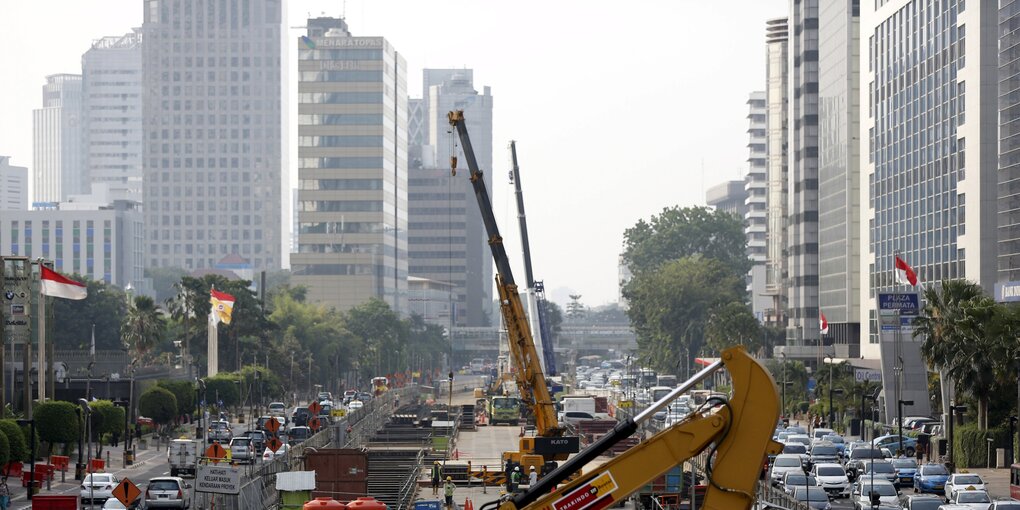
x: 776, y: 167
x: 112, y: 112
x: 930, y: 146
x: 352, y: 150
x: 13, y: 186
x: 729, y: 197
x: 756, y: 191
x: 1009, y: 152
x: 57, y: 169
x: 212, y: 128
x: 839, y: 177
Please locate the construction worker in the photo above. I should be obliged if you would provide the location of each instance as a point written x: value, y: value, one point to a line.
x: 508, y: 469
x: 436, y: 478
x: 515, y: 479
x: 448, y: 492
x: 532, y: 477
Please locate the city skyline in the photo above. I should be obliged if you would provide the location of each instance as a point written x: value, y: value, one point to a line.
x: 548, y: 106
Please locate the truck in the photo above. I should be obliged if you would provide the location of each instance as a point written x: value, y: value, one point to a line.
x: 550, y: 442
x: 504, y: 409
x: 737, y: 435
x: 597, y: 407
x: 183, y: 456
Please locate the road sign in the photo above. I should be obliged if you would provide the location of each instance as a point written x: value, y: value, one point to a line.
x: 867, y: 374
x: 126, y: 492
x: 218, y: 479
x: 215, y: 452
x: 274, y: 444
x: 314, y: 424
x: 315, y: 407
x: 272, y: 426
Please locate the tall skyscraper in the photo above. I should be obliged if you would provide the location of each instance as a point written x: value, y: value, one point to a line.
x: 447, y: 238
x: 212, y: 127
x: 13, y: 186
x: 930, y: 135
x: 802, y: 188
x: 112, y: 112
x: 352, y: 150
x: 1009, y: 152
x: 756, y: 190
x: 776, y: 166
x: 839, y: 176
x: 729, y: 197
x: 56, y: 140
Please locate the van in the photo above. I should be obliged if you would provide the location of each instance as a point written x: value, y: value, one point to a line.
x: 583, y: 404
x: 183, y: 455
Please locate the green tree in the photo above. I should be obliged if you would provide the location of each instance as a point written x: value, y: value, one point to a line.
x: 159, y: 404
x: 16, y: 440
x: 144, y: 326
x: 224, y: 387
x: 104, y: 307
x: 56, y: 422
x: 5, y: 449
x: 732, y: 324
x: 106, y: 418
x: 670, y: 307
x: 679, y: 232
x: 184, y: 393
x: 379, y: 330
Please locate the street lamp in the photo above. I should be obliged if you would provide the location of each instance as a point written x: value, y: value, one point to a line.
x: 783, y: 355
x: 953, y: 409
x: 865, y: 396
x: 832, y: 414
x: 31, y: 469
x: 899, y: 419
x: 832, y: 411
x: 990, y: 441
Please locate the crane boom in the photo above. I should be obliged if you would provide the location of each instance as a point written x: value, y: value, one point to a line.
x: 529, y: 376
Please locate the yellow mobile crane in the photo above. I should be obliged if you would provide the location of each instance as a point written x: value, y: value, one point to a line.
x: 549, y: 442
x: 737, y: 433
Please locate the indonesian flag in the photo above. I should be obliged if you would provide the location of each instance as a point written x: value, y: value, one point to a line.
x: 904, y: 273
x: 57, y: 285
x: 823, y: 323
x: 222, y: 306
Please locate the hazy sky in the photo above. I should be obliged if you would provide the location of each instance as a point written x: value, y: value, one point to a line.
x: 619, y: 109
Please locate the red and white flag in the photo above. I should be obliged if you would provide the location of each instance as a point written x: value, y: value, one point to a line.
x: 823, y: 323
x: 57, y: 285
x: 904, y: 273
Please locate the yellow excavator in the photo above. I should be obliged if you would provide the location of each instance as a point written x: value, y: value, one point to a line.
x: 737, y: 434
x: 550, y: 443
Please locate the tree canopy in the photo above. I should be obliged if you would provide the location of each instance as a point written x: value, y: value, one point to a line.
x: 159, y: 404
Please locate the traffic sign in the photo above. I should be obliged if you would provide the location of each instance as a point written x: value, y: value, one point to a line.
x: 272, y: 426
x: 314, y: 424
x: 126, y: 492
x: 218, y: 479
x: 215, y: 452
x: 274, y: 444
x: 315, y: 407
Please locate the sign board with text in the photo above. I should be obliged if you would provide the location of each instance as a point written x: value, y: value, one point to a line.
x: 867, y: 375
x: 594, y: 495
x: 16, y: 299
x: 218, y: 479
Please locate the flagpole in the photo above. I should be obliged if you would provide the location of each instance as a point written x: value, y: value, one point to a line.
x: 212, y: 349
x: 42, y: 338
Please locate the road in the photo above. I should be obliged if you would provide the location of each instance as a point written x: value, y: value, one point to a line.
x: 149, y: 463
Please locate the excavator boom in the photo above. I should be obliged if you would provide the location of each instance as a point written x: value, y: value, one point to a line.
x: 530, y: 379
x: 738, y: 432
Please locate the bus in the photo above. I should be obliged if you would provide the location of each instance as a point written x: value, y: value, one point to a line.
x: 658, y: 392
x: 647, y: 378
x: 504, y: 410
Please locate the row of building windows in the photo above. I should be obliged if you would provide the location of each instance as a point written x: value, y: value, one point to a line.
x: 437, y: 225
x: 340, y: 206
x: 340, y: 184
x: 337, y: 227
x: 333, y: 270
x: 340, y: 248
x: 437, y: 254
x: 437, y: 240
x: 340, y: 98
x: 340, y: 54
x: 346, y: 163
x: 341, y: 76
x: 339, y: 119
x: 340, y: 141
x: 437, y: 196
x: 202, y: 248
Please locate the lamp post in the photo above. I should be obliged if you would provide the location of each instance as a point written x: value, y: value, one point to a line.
x: 829, y: 359
x: 832, y: 411
x: 783, y: 355
x: 31, y: 469
x: 990, y: 441
x: 899, y: 419
x: 865, y: 396
x: 953, y: 409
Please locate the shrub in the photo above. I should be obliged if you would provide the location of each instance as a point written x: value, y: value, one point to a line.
x: 16, y: 440
x: 159, y: 404
x: 970, y: 445
x: 184, y: 392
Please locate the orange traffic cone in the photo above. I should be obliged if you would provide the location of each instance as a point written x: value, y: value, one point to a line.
x: 468, y: 505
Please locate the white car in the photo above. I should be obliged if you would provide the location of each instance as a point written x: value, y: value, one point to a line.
x: 280, y: 452
x: 98, y: 487
x: 963, y: 481
x: 785, y: 462
x: 832, y: 477
x: 355, y: 405
x: 966, y: 498
x: 887, y: 493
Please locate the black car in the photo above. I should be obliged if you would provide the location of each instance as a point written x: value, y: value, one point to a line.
x: 300, y: 416
x: 258, y: 440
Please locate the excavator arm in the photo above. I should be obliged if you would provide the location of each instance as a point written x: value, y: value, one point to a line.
x: 737, y: 432
x: 529, y: 376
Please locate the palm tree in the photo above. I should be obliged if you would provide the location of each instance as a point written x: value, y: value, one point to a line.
x: 143, y: 327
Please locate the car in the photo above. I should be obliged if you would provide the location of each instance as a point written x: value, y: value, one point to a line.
x: 268, y: 454
x: 823, y: 452
x: 832, y: 477
x: 797, y: 449
x: 922, y: 502
x: 931, y: 478
x: 167, y: 492
x: 819, y: 433
x: 277, y: 408
x: 785, y: 462
x: 882, y: 469
x: 793, y: 479
x: 115, y: 504
x: 815, y: 497
x: 796, y: 429
x: 258, y: 440
x: 803, y: 439
x: 838, y: 442
x: 97, y: 487
x: 855, y: 461
x: 968, y: 498
x: 905, y: 468
x: 573, y: 418
x: 355, y: 405
x: 963, y: 481
x: 298, y: 435
x: 1005, y: 504
x: 299, y: 416
x: 861, y: 495
x: 892, y: 442
x: 219, y: 431
x: 242, y: 450
x: 324, y: 395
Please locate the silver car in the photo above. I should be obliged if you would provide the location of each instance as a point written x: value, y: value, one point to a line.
x: 97, y: 487
x: 242, y: 449
x: 168, y: 492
